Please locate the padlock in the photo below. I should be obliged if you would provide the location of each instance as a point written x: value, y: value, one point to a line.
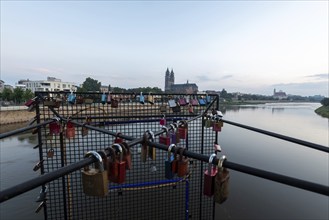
x: 70, y: 130
x: 217, y: 147
x: 176, y: 109
x: 150, y: 99
x: 103, y: 99
x: 151, y: 150
x: 79, y: 100
x: 172, y: 134
x: 182, y: 164
x: 172, y: 103
x: 208, y: 99
x: 49, y: 102
x: 84, y: 130
x: 174, y: 166
x: 71, y: 98
x: 31, y: 102
x: 208, y: 122
x: 38, y: 165
x: 182, y: 101
x: 126, y: 155
x: 50, y: 153
x: 112, y: 165
x: 163, y: 108
x: 114, y: 103
x: 169, y: 174
x: 109, y: 98
x: 182, y: 129
x: 209, y: 177
x: 41, y: 205
x: 190, y: 109
x: 94, y: 180
x: 216, y: 126
x: 117, y: 139
x: 42, y: 194
x: 177, y: 134
x: 121, y: 165
x: 202, y: 102
x: 194, y: 101
x: 88, y: 101
x: 164, y: 138
x: 163, y: 121
x: 221, y: 188
x: 141, y: 98
x: 55, y: 127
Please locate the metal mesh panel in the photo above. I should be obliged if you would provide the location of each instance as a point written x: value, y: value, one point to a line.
x: 145, y: 194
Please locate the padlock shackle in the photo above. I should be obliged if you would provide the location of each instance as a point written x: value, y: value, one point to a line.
x: 220, y: 162
x: 165, y: 129
x: 173, y: 127
x: 151, y: 134
x: 98, y: 157
x: 169, y: 150
x: 181, y: 152
x: 118, y: 146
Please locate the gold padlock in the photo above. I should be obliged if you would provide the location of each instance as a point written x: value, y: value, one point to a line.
x: 94, y: 180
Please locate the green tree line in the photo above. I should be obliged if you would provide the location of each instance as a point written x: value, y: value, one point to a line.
x: 18, y: 95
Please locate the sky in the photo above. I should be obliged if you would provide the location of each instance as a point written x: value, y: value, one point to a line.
x: 241, y: 46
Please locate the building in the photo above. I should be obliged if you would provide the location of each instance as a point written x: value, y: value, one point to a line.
x: 279, y: 95
x: 51, y: 84
x: 171, y: 87
x: 104, y: 89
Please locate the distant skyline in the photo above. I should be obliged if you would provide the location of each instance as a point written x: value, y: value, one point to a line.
x: 242, y: 46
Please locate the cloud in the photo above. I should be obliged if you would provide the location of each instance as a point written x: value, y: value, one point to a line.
x: 321, y: 76
x: 227, y: 76
x: 203, y: 78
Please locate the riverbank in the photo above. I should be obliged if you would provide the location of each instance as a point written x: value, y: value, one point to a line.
x: 323, y: 111
x: 15, y: 116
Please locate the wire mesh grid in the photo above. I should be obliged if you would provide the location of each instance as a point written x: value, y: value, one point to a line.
x: 145, y: 194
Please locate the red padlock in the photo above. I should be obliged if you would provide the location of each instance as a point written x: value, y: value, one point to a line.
x: 126, y: 155
x: 117, y: 139
x: 117, y: 168
x: 70, y: 129
x: 112, y: 165
x: 182, y: 164
x: 174, y: 166
x: 121, y: 166
x: 217, y: 126
x: 163, y: 121
x: 164, y: 138
x: 182, y: 129
x: 55, y: 127
x: 209, y: 177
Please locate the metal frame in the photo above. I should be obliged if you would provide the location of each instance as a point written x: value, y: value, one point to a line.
x: 65, y: 197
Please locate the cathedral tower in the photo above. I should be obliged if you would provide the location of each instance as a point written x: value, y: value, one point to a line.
x: 169, y: 80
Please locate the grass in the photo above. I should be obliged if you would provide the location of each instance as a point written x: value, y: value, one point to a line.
x: 323, y: 111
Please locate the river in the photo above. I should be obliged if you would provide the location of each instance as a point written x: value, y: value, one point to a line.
x: 250, y: 197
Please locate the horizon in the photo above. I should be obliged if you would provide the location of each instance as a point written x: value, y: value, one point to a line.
x: 240, y: 46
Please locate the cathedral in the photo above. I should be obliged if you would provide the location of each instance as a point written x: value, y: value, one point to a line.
x: 171, y: 87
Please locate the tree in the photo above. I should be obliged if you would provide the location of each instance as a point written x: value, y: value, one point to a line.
x: 325, y: 101
x: 28, y: 94
x: 7, y: 94
x: 18, y: 95
x: 91, y: 85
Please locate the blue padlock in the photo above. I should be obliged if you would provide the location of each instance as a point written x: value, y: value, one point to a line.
x: 168, y: 163
x: 103, y: 99
x: 141, y: 98
x: 71, y: 98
